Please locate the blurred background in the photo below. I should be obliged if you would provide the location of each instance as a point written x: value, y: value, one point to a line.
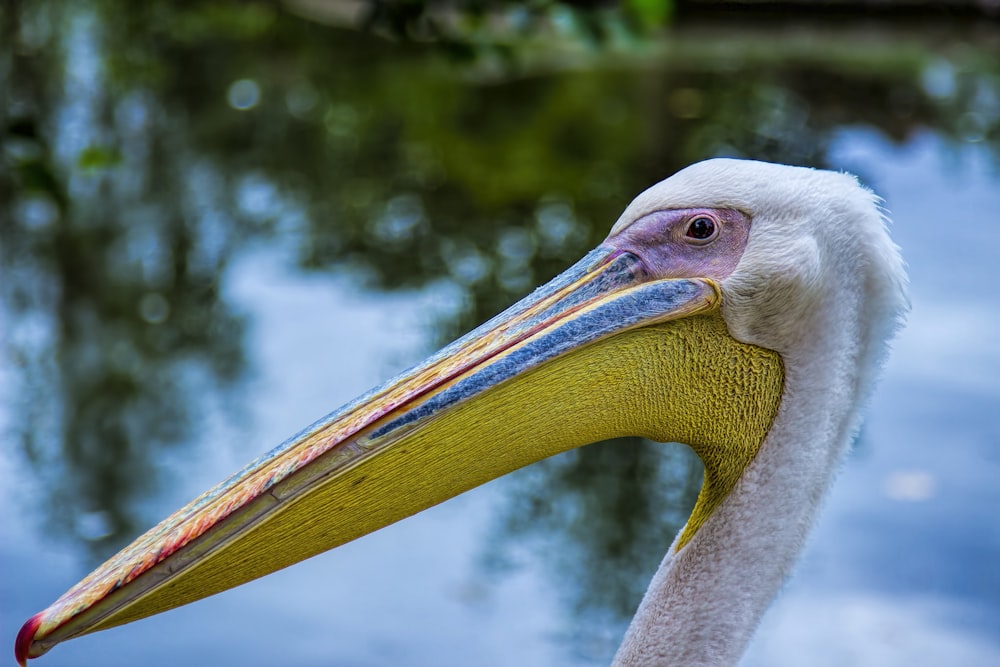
x: 220, y: 220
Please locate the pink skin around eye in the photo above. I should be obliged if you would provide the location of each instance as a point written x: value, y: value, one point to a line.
x: 659, y: 240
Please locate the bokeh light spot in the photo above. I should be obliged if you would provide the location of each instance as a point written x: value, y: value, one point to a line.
x: 154, y: 308
x: 243, y: 94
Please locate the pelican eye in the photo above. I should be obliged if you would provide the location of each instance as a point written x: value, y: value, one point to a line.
x: 701, y: 229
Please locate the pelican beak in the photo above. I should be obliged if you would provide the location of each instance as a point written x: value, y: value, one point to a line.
x: 604, y: 350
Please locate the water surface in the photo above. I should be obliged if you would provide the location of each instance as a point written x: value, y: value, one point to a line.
x: 223, y: 229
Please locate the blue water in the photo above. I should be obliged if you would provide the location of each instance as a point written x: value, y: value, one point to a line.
x: 901, y: 568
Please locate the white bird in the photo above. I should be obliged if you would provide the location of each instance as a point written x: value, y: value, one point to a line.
x: 740, y: 307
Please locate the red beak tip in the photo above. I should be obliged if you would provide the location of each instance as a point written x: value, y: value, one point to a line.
x: 22, y: 645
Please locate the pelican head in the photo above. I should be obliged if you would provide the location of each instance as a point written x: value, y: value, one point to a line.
x: 742, y: 308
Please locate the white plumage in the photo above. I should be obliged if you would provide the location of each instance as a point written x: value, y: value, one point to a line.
x: 821, y: 283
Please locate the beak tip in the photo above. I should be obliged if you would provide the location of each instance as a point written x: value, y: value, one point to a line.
x: 22, y: 645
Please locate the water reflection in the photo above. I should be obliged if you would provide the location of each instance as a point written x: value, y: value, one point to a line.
x: 111, y: 285
x: 616, y: 508
x: 147, y: 145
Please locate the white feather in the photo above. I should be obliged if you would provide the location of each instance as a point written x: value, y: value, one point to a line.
x: 821, y: 283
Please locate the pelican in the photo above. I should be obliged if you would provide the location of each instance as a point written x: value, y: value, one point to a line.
x: 742, y: 308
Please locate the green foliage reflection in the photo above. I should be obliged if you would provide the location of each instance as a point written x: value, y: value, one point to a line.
x: 145, y: 144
